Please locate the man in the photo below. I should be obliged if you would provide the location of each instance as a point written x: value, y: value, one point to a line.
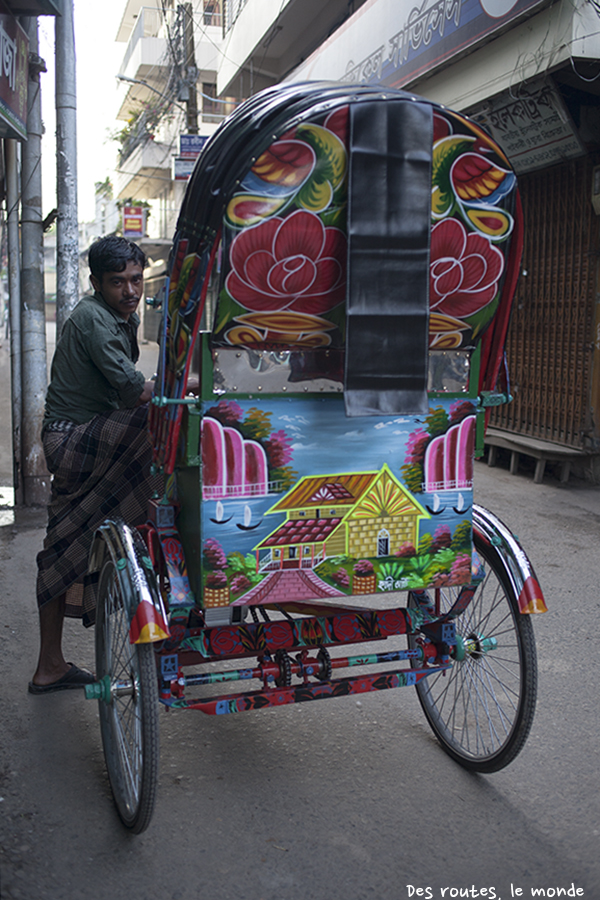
x: 96, y: 446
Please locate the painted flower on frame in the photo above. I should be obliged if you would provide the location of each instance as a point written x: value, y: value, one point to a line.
x: 285, y: 164
x: 464, y: 270
x: 476, y: 178
x: 294, y: 264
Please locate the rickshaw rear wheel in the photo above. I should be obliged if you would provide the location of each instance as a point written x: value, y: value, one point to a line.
x: 129, y: 714
x: 482, y: 709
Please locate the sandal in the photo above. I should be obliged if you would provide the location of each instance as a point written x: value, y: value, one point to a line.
x: 74, y: 678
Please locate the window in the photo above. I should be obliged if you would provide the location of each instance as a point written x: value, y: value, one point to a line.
x: 212, y: 12
x: 383, y: 543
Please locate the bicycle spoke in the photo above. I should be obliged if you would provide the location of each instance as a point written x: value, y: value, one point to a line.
x: 481, y: 710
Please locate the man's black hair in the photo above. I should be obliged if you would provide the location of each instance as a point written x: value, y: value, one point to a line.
x: 112, y: 253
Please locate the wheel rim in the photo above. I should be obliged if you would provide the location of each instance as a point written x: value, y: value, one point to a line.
x: 121, y: 719
x: 476, y: 708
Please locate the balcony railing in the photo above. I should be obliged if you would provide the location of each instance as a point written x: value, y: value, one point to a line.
x: 148, y: 25
x: 141, y: 132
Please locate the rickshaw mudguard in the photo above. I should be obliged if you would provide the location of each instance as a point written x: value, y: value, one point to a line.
x: 180, y: 592
x: 145, y: 609
x: 515, y: 562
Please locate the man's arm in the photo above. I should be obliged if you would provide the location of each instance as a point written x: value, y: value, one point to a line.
x: 106, y: 351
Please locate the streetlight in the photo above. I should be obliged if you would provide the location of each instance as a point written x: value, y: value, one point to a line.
x: 150, y: 88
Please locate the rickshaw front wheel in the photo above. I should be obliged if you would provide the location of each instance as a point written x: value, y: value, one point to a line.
x: 129, y: 712
x: 481, y: 710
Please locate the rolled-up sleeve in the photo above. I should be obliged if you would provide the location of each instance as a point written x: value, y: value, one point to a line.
x: 108, y: 351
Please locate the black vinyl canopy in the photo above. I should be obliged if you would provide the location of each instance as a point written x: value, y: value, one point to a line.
x: 388, y: 225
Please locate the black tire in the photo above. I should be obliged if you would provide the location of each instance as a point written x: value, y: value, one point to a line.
x: 481, y: 711
x: 129, y: 715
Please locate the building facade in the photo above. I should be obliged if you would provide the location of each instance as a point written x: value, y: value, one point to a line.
x: 169, y: 107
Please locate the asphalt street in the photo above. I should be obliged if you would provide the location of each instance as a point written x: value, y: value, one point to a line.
x: 344, y: 800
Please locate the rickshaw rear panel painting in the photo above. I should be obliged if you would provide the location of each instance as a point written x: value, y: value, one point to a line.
x: 384, y: 505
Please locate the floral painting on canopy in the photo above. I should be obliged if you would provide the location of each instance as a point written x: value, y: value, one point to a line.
x: 285, y: 242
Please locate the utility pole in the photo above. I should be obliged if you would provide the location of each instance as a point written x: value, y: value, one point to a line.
x: 36, y: 480
x: 67, y: 232
x: 191, y: 69
x: 11, y: 159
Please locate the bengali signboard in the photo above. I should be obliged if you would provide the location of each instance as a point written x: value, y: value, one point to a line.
x: 14, y: 56
x: 183, y: 166
x: 532, y: 125
x: 134, y: 221
x: 395, y: 42
x: 190, y: 145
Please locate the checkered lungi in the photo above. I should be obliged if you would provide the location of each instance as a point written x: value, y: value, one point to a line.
x: 101, y: 470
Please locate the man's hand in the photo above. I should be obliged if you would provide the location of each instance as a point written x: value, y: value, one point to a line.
x: 146, y: 394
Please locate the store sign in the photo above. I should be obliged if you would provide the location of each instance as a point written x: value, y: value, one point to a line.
x: 190, y: 145
x: 14, y: 56
x: 183, y: 167
x: 134, y: 221
x: 532, y: 125
x: 395, y: 42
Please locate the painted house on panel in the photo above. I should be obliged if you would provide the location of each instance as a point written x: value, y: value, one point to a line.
x: 364, y: 514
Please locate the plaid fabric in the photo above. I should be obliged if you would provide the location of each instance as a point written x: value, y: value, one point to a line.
x: 101, y: 470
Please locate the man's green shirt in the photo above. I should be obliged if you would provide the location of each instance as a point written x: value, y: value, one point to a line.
x: 93, y: 370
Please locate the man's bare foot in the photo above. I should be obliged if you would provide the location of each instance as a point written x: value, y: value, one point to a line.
x: 50, y: 673
x: 51, y: 664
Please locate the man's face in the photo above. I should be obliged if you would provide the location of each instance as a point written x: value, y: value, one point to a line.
x: 122, y: 290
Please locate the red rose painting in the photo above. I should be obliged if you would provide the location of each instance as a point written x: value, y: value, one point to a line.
x: 294, y: 264
x: 464, y: 272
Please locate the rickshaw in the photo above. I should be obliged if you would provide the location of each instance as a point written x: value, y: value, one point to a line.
x: 340, y: 283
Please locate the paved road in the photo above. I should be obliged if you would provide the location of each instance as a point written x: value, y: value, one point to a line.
x: 336, y: 801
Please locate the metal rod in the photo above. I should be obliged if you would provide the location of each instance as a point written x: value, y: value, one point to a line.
x: 340, y: 662
x: 174, y: 401
x: 272, y: 670
x: 325, y: 690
